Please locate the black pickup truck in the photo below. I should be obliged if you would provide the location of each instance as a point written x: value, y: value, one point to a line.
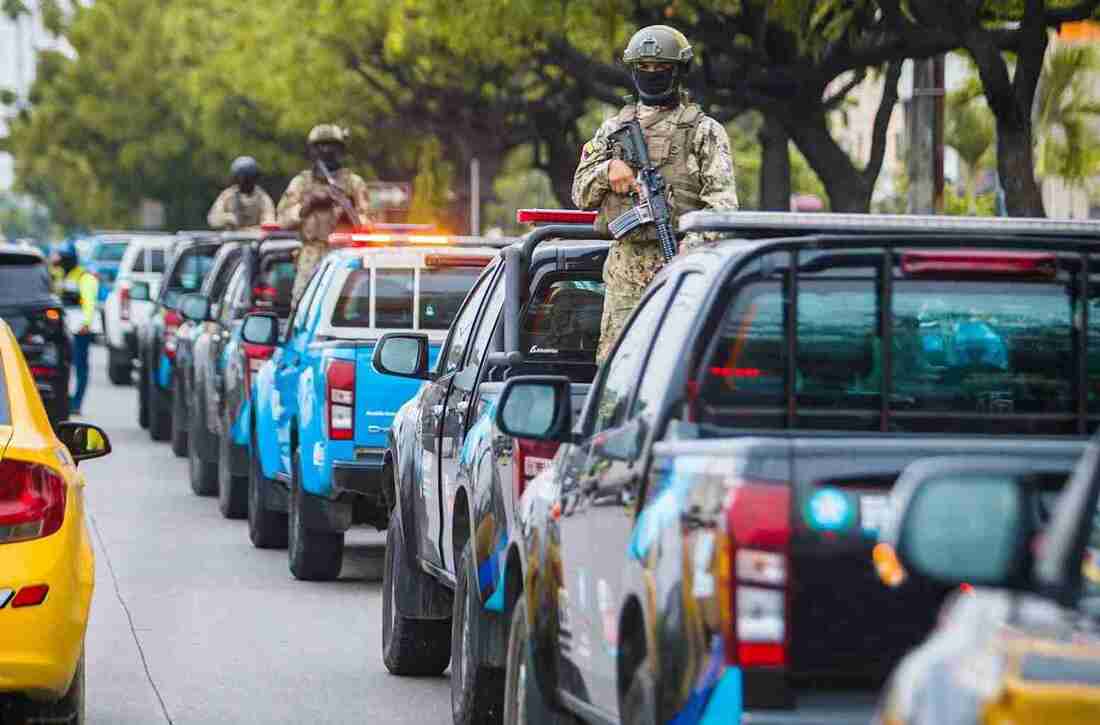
x: 701, y: 545
x: 535, y: 309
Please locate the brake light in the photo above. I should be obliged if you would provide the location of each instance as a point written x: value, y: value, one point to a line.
x: 340, y: 377
x: 979, y: 261
x: 172, y: 322
x: 270, y: 227
x: 42, y: 371
x: 263, y: 296
x: 124, y: 301
x: 255, y: 356
x: 754, y: 573
x: 555, y: 216
x: 32, y: 501
x: 530, y: 458
x: 53, y: 315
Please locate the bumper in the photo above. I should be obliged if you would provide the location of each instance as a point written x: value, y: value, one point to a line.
x: 362, y: 477
x: 40, y: 646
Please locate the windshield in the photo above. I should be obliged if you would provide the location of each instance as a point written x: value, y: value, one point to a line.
x: 23, y: 280
x: 110, y: 251
x: 441, y: 294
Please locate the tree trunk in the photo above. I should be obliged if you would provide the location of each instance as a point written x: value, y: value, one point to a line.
x: 971, y: 189
x: 775, y: 166
x: 848, y: 188
x: 1016, y: 166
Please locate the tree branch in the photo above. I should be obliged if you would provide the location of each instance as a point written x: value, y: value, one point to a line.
x: 882, y: 122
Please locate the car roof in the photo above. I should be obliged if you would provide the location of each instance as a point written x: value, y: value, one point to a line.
x: 9, y: 249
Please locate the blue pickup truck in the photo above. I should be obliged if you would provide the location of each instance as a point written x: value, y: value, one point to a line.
x: 319, y: 413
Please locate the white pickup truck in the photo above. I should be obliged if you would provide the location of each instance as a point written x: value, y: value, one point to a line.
x: 131, y: 301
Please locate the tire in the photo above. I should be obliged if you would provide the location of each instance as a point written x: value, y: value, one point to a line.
x: 180, y: 437
x: 118, y: 367
x: 69, y: 709
x: 523, y: 700
x: 477, y: 690
x: 315, y: 556
x: 639, y: 707
x: 204, y: 475
x: 160, y: 420
x: 143, y: 397
x: 232, y: 490
x: 410, y: 647
x: 267, y: 529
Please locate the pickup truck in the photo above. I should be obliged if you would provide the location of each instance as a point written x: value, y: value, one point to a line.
x: 130, y: 302
x: 734, y: 459
x: 536, y: 309
x: 318, y: 412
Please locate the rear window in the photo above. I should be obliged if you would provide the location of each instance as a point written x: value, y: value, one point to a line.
x: 396, y: 305
x: 967, y: 355
x: 563, y: 320
x: 275, y: 284
x: 23, y: 280
x: 109, y: 251
x: 189, y: 272
x: 149, y: 260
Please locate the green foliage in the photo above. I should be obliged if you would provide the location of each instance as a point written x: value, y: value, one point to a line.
x: 1066, y: 113
x: 434, y: 178
x: 970, y: 130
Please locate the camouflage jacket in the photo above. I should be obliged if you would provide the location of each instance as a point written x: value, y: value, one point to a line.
x: 320, y: 222
x: 234, y: 210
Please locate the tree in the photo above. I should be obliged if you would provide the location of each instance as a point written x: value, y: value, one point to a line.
x: 1066, y: 111
x: 969, y: 130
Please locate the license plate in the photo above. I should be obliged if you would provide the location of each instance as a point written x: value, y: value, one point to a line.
x: 873, y: 512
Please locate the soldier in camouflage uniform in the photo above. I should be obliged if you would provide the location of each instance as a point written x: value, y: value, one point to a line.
x: 309, y: 204
x: 690, y: 149
x: 245, y: 204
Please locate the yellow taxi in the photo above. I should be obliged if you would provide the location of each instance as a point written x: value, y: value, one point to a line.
x: 46, y: 560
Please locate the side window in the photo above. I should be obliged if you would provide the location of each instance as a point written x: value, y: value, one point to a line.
x: 237, y: 296
x: 668, y: 346
x: 139, y: 260
x: 488, y: 323
x: 219, y: 283
x: 156, y: 261
x: 625, y: 363
x: 300, y: 310
x: 463, y: 325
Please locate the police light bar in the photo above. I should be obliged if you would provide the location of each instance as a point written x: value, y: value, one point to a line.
x: 555, y: 216
x: 796, y: 224
x: 456, y: 260
x: 379, y: 239
x: 271, y: 227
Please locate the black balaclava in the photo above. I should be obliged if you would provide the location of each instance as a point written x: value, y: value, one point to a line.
x: 658, y: 88
x: 331, y: 153
x: 246, y: 183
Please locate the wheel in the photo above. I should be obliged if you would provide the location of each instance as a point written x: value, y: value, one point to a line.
x: 180, y: 438
x: 477, y: 692
x: 639, y: 707
x: 69, y: 709
x: 523, y: 700
x: 412, y: 647
x: 143, y: 397
x: 232, y: 490
x: 118, y: 367
x: 314, y: 555
x: 204, y: 475
x: 266, y: 528
x: 160, y: 418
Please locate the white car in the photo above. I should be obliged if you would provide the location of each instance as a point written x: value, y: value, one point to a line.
x: 131, y: 301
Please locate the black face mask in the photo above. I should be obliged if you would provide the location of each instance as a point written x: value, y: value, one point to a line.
x: 333, y: 158
x: 246, y: 184
x: 656, y: 88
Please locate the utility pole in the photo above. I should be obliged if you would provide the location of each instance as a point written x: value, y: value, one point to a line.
x: 475, y: 197
x: 926, y: 137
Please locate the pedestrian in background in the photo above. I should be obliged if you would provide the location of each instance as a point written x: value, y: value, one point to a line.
x: 689, y: 148
x: 79, y: 292
x: 244, y: 205
x: 315, y: 206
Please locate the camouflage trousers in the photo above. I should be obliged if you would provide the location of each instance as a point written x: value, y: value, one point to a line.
x: 309, y: 256
x: 629, y: 269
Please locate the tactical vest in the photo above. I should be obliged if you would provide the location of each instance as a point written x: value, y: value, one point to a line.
x: 668, y: 137
x: 248, y: 208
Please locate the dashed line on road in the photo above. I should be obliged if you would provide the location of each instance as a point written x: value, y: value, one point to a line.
x: 130, y: 619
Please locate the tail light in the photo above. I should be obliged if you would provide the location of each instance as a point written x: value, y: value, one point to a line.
x: 529, y: 459
x: 172, y: 322
x: 264, y: 296
x: 124, y: 301
x: 32, y: 501
x: 255, y: 356
x: 340, y: 377
x: 754, y: 574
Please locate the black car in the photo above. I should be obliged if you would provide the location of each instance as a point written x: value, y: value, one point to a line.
x: 190, y: 262
x: 222, y: 363
x: 36, y: 318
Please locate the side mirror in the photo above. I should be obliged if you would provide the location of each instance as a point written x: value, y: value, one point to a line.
x: 956, y: 522
x: 139, y: 291
x: 84, y: 441
x: 403, y: 354
x: 260, y: 328
x: 536, y: 407
x: 195, y: 307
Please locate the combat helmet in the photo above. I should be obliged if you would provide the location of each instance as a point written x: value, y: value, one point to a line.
x: 327, y: 132
x: 244, y: 167
x: 658, y: 44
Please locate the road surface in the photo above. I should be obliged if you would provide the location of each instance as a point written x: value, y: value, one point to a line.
x: 190, y: 624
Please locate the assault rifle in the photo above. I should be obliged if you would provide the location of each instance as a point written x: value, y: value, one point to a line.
x: 652, y: 200
x: 338, y: 195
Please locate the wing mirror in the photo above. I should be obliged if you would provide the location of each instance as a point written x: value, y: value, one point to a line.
x: 260, y: 328
x: 403, y: 354
x: 84, y: 441
x: 963, y: 522
x: 195, y: 307
x: 537, y: 407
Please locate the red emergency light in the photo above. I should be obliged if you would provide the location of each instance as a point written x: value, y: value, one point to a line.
x: 979, y: 261
x: 555, y: 216
x: 456, y: 260
x: 271, y: 227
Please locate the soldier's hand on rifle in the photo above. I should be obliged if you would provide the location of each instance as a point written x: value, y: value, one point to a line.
x: 621, y: 177
x: 318, y: 198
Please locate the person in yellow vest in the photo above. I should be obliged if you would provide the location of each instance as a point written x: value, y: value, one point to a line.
x: 79, y: 292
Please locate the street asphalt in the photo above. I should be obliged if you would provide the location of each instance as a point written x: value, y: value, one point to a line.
x: 191, y: 624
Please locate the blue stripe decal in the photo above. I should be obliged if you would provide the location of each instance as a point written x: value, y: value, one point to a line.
x: 725, y: 706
